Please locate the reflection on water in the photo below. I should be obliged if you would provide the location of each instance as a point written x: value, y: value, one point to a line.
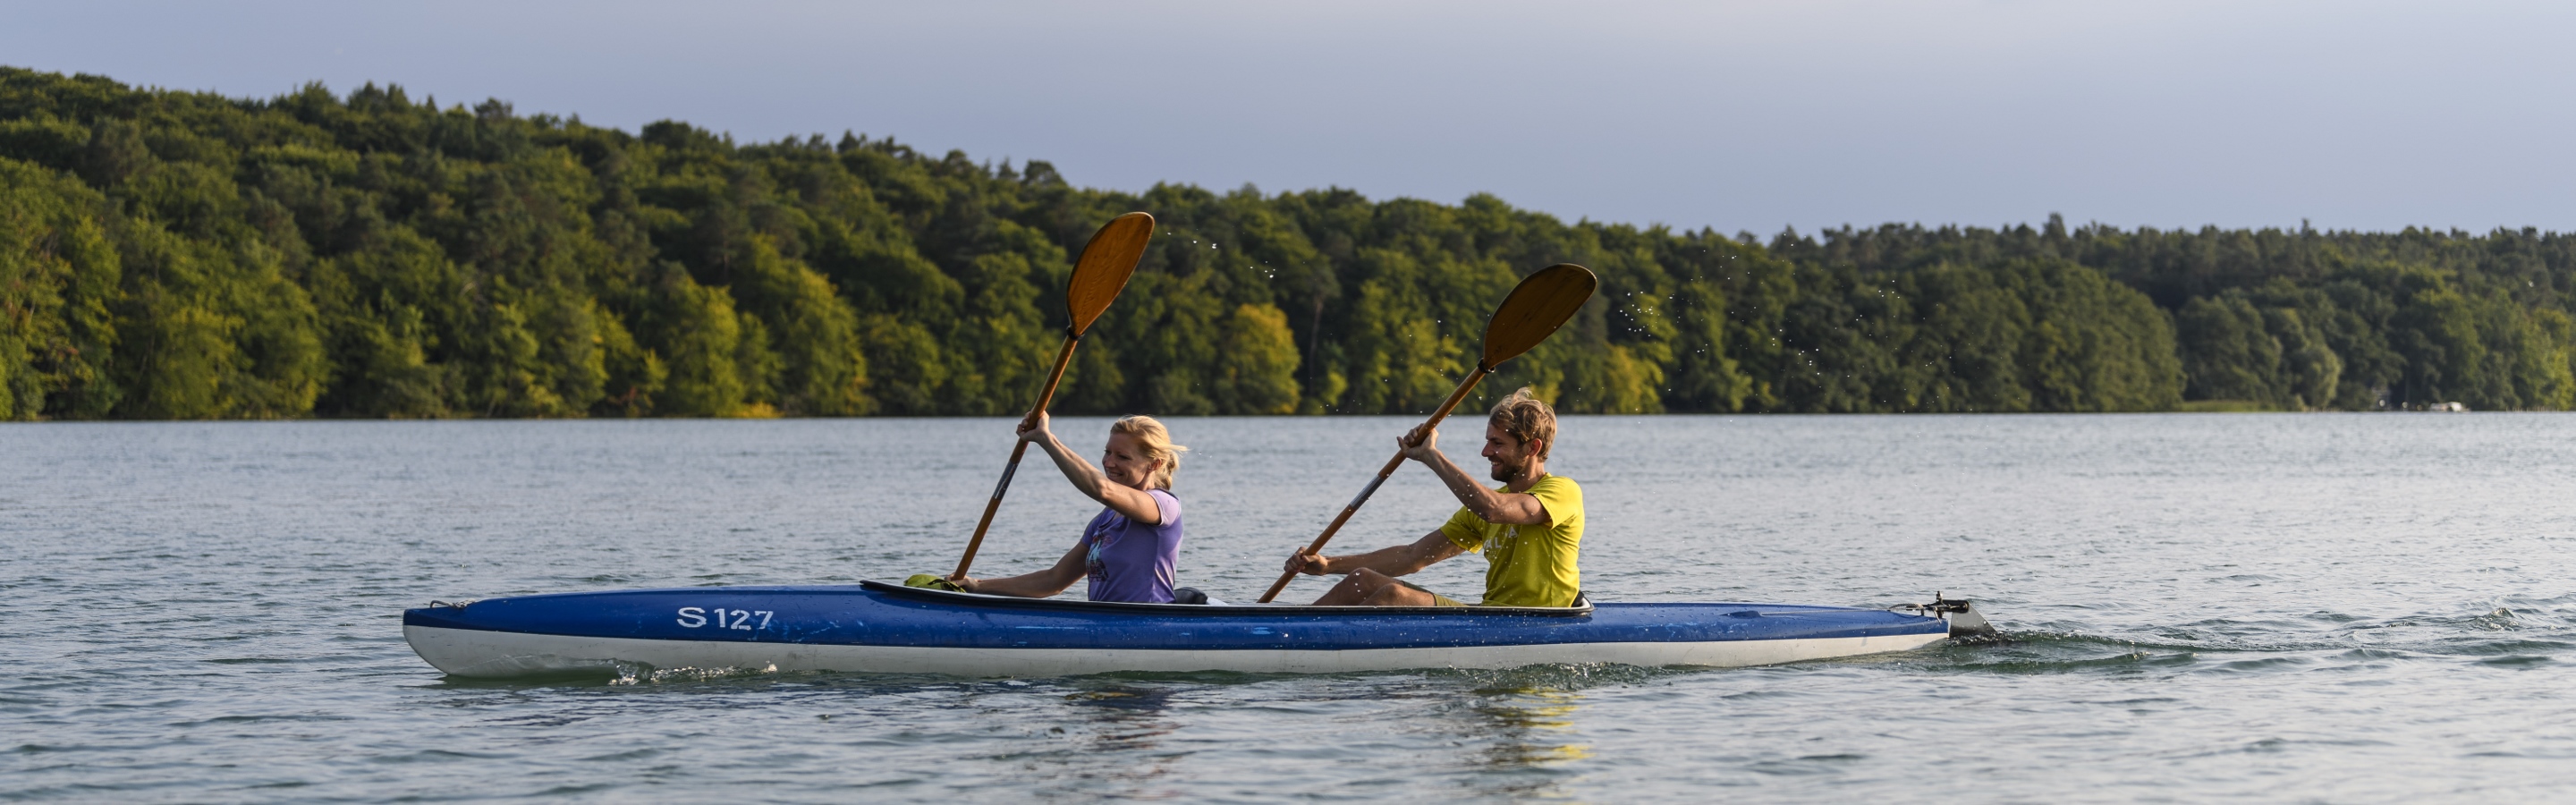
x: 1118, y: 731
x: 1530, y: 746
x: 1531, y: 727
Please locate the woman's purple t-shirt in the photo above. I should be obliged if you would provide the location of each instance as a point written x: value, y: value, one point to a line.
x: 1132, y: 561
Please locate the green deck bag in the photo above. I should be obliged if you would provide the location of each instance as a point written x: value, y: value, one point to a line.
x: 932, y: 582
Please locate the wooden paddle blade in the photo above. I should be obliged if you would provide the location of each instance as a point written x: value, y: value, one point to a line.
x: 1541, y: 303
x: 1105, y: 266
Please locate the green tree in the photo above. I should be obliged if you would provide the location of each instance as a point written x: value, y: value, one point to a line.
x: 1258, y: 355
x: 699, y: 335
x: 58, y: 279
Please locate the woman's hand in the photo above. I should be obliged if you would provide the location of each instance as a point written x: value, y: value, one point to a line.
x: 1309, y: 564
x: 1035, y: 431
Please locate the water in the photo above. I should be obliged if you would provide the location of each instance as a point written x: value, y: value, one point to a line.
x: 2331, y: 608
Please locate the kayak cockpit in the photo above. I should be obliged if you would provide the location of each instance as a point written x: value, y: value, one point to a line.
x: 1582, y: 605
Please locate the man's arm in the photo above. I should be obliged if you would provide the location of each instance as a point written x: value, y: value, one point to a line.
x: 1507, y: 508
x: 1398, y: 560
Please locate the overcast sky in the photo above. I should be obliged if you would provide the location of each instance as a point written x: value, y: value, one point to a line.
x: 1741, y: 116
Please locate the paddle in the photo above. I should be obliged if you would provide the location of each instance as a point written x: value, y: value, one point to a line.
x: 1097, y: 278
x: 1540, y: 304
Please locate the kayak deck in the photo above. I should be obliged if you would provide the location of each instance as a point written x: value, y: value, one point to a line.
x: 874, y: 627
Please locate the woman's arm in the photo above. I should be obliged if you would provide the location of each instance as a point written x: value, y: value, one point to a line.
x: 1033, y: 585
x: 1127, y: 500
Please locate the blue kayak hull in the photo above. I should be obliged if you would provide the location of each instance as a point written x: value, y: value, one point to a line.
x: 885, y: 629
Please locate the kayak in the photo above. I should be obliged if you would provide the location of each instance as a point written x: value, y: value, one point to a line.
x: 873, y: 627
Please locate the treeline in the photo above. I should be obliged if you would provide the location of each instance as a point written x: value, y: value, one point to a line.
x: 2302, y: 319
x: 184, y: 255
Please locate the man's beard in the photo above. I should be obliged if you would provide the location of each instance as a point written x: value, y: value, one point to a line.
x: 1505, y: 472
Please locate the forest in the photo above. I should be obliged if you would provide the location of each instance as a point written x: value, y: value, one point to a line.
x: 181, y: 255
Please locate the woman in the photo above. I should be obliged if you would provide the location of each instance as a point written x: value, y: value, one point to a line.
x: 1128, y: 550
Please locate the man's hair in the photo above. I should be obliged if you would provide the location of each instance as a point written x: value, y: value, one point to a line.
x: 1527, y: 419
x: 1157, y: 443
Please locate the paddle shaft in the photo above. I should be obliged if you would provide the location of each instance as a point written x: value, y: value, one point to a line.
x: 1317, y: 549
x: 1063, y: 358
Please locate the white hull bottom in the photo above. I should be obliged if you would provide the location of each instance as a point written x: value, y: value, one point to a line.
x: 468, y: 652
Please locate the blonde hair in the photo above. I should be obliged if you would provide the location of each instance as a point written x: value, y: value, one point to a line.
x: 1526, y: 419
x: 1150, y: 434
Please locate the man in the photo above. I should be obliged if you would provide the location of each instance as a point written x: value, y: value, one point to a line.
x: 1528, y: 528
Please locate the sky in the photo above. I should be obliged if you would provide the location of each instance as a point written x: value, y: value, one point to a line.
x: 1733, y: 115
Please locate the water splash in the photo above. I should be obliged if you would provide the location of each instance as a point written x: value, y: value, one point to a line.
x: 634, y: 673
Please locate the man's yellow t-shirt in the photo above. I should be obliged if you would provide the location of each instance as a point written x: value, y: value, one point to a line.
x: 1528, y: 565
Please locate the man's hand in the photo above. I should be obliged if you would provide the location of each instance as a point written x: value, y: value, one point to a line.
x: 963, y: 583
x: 1309, y: 564
x: 1034, y: 431
x: 1421, y: 444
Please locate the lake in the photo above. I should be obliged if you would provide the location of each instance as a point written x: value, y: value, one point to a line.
x: 2272, y: 607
